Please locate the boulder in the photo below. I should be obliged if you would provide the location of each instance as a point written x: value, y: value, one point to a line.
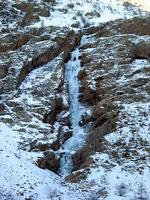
x: 141, y: 51
x: 49, y: 161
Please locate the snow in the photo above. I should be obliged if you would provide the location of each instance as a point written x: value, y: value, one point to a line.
x: 88, y: 13
x: 20, y: 179
x: 115, y: 175
x: 136, y: 115
x: 136, y: 66
x: 133, y: 173
x: 32, y: 129
x: 17, y: 174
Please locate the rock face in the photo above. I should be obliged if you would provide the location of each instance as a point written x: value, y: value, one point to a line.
x: 114, y: 88
x: 109, y: 75
x: 100, y: 81
x: 49, y: 161
x: 3, y: 71
x: 57, y: 107
x: 32, y: 78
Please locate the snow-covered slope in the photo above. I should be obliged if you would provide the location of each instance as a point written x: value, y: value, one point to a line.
x: 83, y: 13
x: 21, y: 179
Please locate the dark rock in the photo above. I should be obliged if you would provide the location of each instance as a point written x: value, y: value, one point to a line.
x: 57, y: 107
x: 63, y: 134
x: 92, y: 14
x: 3, y: 71
x: 82, y: 159
x: 42, y: 147
x: 13, y: 41
x: 49, y: 161
x: 75, y: 25
x: 1, y: 88
x: 85, y: 119
x: 55, y: 145
x: 2, y: 109
x: 64, y: 44
x: 75, y: 177
x: 141, y: 51
x: 70, y: 5
x: 65, y: 120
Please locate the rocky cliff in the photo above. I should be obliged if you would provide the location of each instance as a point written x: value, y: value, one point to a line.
x: 96, y: 131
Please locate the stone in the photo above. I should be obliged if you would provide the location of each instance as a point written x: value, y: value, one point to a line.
x: 3, y: 71
x: 75, y: 25
x: 2, y: 109
x: 92, y: 14
x: 57, y: 107
x: 55, y: 145
x: 141, y: 51
x: 64, y: 134
x: 49, y: 161
x: 1, y: 87
x: 82, y: 159
x: 70, y: 5
x: 85, y: 119
x: 75, y: 177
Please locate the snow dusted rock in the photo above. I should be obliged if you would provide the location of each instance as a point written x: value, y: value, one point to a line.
x: 109, y: 42
x: 34, y: 80
x: 113, y: 73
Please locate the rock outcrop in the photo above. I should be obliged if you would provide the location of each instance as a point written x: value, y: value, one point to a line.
x: 49, y: 161
x: 109, y: 75
x: 114, y: 88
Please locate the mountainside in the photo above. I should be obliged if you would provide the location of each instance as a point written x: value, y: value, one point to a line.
x: 74, y: 100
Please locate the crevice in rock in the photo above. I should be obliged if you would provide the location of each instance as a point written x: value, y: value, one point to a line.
x: 104, y: 117
x: 102, y: 121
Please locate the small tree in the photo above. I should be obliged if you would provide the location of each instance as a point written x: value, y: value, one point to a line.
x: 142, y: 193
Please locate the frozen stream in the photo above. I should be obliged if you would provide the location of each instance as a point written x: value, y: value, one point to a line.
x: 74, y: 143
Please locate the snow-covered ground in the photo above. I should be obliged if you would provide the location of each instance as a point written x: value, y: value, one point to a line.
x: 91, y: 12
x: 20, y: 179
x: 81, y: 13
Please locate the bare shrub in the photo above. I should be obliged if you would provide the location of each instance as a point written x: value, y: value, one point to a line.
x: 5, y: 195
x: 121, y: 189
x: 53, y: 194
